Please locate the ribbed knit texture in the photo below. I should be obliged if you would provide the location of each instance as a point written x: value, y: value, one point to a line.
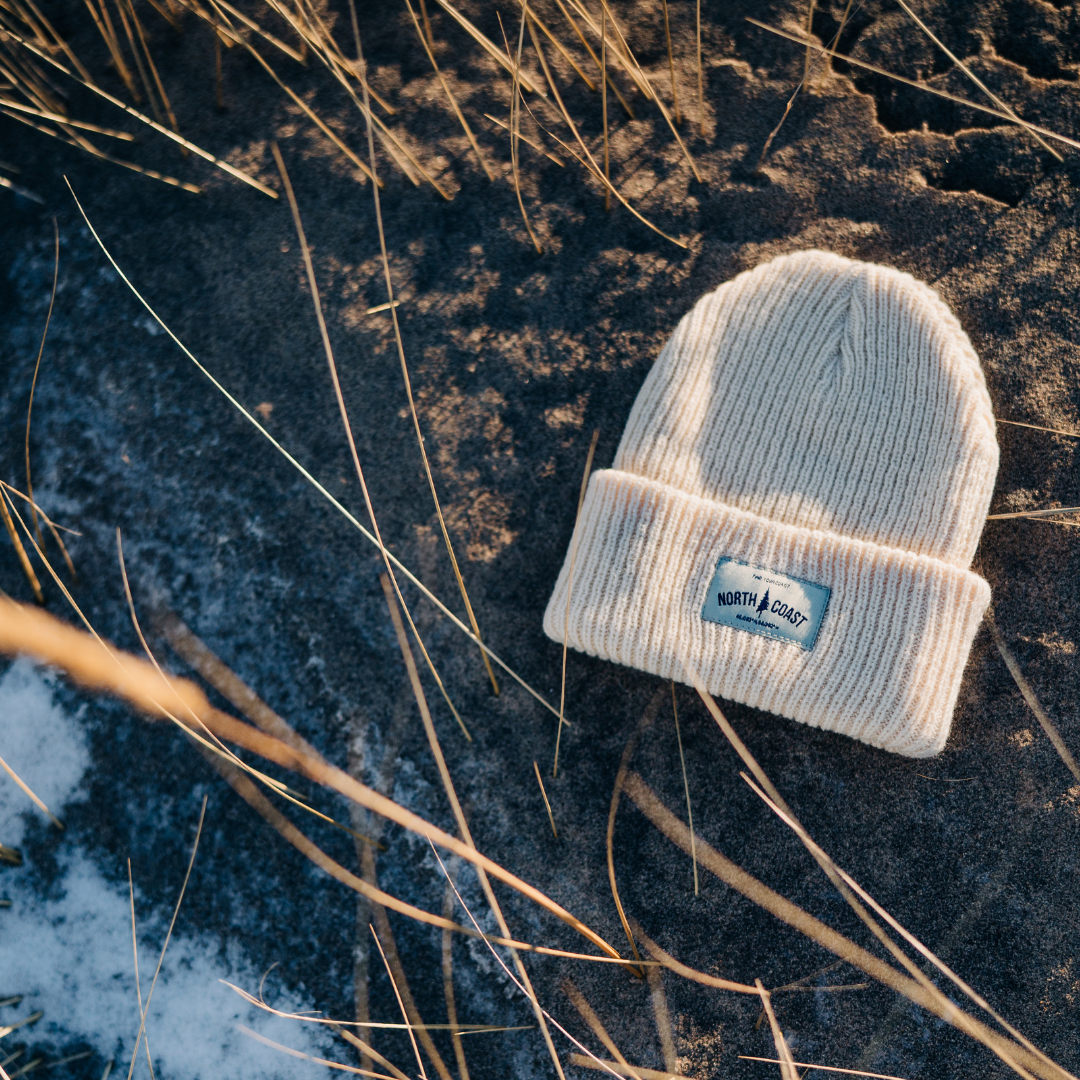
x: 817, y: 417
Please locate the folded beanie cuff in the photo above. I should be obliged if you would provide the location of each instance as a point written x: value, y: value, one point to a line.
x: 886, y: 661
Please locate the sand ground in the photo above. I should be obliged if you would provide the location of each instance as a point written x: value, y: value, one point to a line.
x: 516, y: 358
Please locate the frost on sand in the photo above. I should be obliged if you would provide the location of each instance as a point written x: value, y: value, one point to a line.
x: 71, y: 955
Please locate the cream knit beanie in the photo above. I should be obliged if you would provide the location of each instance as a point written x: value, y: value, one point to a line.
x: 795, y: 504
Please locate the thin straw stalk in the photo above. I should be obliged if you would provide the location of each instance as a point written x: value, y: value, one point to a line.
x: 671, y: 65
x: 605, y: 76
x: 569, y: 590
x: 489, y: 46
x: 783, y: 909
x: 547, y: 803
x: 20, y: 551
x: 593, y: 167
x: 588, y: 1014
x: 787, y: 1067
x: 686, y: 784
x: 344, y: 413
x: 914, y: 83
x: 1030, y: 697
x: 34, y: 379
x: 448, y: 987
x: 392, y: 960
x: 174, y: 136
x: 975, y: 79
x: 308, y: 110
x: 515, y: 123
x: 459, y: 814
x: 320, y: 488
x: 388, y: 278
x: 450, y: 94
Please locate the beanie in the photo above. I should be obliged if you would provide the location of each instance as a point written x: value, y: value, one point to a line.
x: 795, y: 503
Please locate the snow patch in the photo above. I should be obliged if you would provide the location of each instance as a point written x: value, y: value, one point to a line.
x: 72, y: 956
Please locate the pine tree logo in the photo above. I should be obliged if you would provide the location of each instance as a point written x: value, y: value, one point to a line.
x: 764, y: 605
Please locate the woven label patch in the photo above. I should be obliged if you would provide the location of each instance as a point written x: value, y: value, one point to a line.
x: 766, y: 602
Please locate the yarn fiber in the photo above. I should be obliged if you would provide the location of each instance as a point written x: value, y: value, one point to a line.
x: 819, y: 418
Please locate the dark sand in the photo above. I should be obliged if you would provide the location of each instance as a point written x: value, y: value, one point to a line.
x: 515, y: 359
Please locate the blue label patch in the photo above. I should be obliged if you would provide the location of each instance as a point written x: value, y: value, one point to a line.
x: 766, y: 602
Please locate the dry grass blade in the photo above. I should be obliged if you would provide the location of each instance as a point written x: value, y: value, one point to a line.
x: 346, y: 423
x: 605, y: 77
x: 823, y: 1068
x: 168, y: 935
x: 547, y: 804
x: 33, y: 1018
x: 57, y: 118
x: 308, y: 111
x: 515, y: 125
x: 135, y: 956
x: 592, y: 166
x: 120, y: 7
x: 105, y: 28
x: 809, y: 34
x: 562, y: 49
x: 489, y: 46
x: 33, y: 798
x: 523, y: 985
x: 1037, y: 427
x: 569, y: 589
x: 643, y: 80
x: 646, y: 721
x: 693, y: 975
x: 76, y: 140
x: 663, y: 1019
x: 700, y: 72
x: 686, y: 785
x: 525, y: 139
x: 288, y: 50
x: 848, y: 889
x: 33, y: 385
x: 448, y: 987
x: 249, y: 792
x: 308, y: 1057
x: 1033, y: 513
x: 922, y: 993
x: 166, y: 104
x: 17, y: 189
x: 404, y: 996
x: 239, y: 174
x: 603, y: 104
x: 59, y: 41
x: 450, y: 94
x: 908, y: 937
x: 913, y: 83
x: 331, y: 57
x: 588, y: 1014
x: 974, y: 78
x: 619, y: 48
x: 1024, y: 686
x: 459, y: 814
x: 20, y: 551
x: 671, y: 65
x: 190, y: 649
x: 320, y: 488
x: 619, y: 1069
x: 399, y: 342
x: 369, y: 1052
x: 791, y: 100
x: 787, y: 1066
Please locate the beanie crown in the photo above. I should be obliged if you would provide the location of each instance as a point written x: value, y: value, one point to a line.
x: 794, y: 505
x: 824, y: 393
